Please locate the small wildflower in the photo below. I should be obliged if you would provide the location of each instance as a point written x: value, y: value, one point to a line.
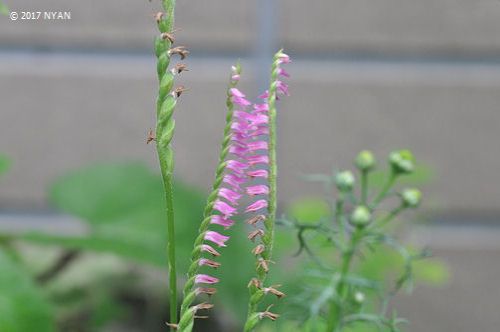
x: 260, y: 189
x: 220, y: 220
x: 259, y: 249
x: 208, y: 262
x: 216, y: 238
x: 179, y: 50
x: 224, y: 208
x: 254, y: 220
x: 274, y: 291
x: 205, y: 279
x: 260, y: 204
x: 209, y: 249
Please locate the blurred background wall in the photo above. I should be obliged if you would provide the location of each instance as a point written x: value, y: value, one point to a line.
x: 377, y: 74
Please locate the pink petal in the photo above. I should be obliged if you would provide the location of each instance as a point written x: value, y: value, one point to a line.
x: 220, y: 220
x: 230, y: 195
x: 260, y: 204
x: 205, y: 279
x: 260, y: 173
x: 258, y: 190
x: 257, y: 145
x: 236, y: 93
x: 224, y: 208
x: 259, y: 159
x: 216, y: 238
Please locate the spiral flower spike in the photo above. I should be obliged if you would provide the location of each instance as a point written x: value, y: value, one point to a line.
x: 221, y: 205
x: 167, y: 99
x: 264, y: 223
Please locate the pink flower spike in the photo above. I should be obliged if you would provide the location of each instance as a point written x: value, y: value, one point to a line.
x: 258, y: 190
x: 236, y: 93
x: 205, y: 279
x: 265, y: 95
x: 260, y: 173
x: 216, y: 238
x: 220, y: 220
x: 259, y: 119
x: 282, y: 72
x: 260, y: 204
x: 230, y: 195
x: 238, y: 150
x: 259, y: 159
x: 224, y: 208
x: 257, y: 145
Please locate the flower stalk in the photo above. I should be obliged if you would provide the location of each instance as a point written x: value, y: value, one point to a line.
x: 167, y: 99
x: 263, y: 250
x: 222, y: 200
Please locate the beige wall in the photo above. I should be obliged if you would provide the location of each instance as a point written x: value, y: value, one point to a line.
x: 89, y: 102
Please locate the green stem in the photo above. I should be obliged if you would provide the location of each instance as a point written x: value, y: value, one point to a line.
x: 385, y: 190
x: 364, y: 187
x: 339, y: 211
x: 390, y: 216
x: 164, y: 133
x: 335, y: 316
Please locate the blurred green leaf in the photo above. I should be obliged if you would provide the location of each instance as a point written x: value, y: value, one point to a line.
x: 124, y: 208
x: 432, y: 272
x: 22, y: 306
x: 309, y: 210
x: 422, y: 175
x: 4, y: 163
x: 4, y: 10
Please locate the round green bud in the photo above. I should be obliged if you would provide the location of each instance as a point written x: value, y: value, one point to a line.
x: 361, y: 216
x: 359, y: 297
x: 365, y: 161
x: 402, y: 162
x: 411, y: 197
x: 344, y: 181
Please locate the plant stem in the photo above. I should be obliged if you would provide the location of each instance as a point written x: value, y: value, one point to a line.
x: 364, y: 186
x: 385, y: 190
x: 164, y: 133
x: 335, y: 316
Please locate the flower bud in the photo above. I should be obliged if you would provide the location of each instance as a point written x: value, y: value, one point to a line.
x: 359, y: 297
x: 411, y: 198
x: 365, y: 161
x: 344, y: 181
x: 361, y: 216
x: 402, y: 162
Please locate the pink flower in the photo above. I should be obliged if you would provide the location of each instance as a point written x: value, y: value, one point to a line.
x: 282, y: 88
x: 282, y: 72
x: 235, y: 77
x: 259, y: 173
x: 229, y: 195
x: 237, y: 150
x: 241, y: 101
x: 257, y: 145
x: 261, y: 107
x: 233, y: 180
x: 265, y: 95
x: 258, y: 190
x: 236, y: 93
x: 260, y: 204
x: 220, y: 220
x: 284, y: 58
x: 224, y: 208
x: 259, y: 159
x: 205, y: 279
x: 216, y: 238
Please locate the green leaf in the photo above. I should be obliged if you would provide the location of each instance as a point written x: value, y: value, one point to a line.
x: 431, y: 271
x: 423, y: 174
x: 4, y: 161
x: 22, y: 305
x: 123, y: 205
x: 309, y: 210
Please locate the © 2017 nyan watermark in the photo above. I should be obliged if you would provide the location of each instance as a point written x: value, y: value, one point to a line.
x: 40, y: 15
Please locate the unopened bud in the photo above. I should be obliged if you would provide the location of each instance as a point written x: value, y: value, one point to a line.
x: 411, y: 197
x: 361, y: 216
x: 365, y: 161
x: 402, y: 162
x: 344, y: 181
x: 359, y: 297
